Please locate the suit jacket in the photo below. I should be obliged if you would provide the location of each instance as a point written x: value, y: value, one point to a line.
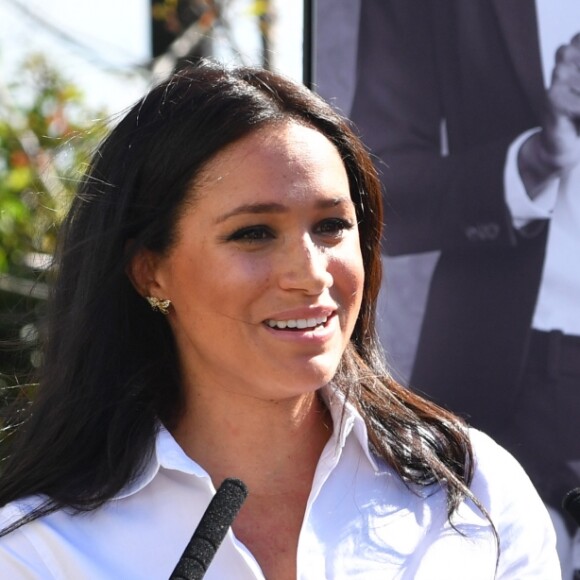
x: 476, y: 65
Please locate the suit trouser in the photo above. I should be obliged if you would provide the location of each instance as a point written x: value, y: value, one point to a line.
x: 545, y: 432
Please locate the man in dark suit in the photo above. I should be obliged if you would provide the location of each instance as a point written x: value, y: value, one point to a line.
x: 446, y: 92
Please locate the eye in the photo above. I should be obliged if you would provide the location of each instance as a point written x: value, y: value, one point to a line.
x: 334, y: 226
x: 251, y: 234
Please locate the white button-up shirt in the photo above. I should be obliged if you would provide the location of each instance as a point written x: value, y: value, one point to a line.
x: 361, y: 521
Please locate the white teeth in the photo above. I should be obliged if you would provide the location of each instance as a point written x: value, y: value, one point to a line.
x: 297, y: 323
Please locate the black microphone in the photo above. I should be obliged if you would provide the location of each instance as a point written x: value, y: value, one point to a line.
x: 571, y: 503
x: 211, y: 530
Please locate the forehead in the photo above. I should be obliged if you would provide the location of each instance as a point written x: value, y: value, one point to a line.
x: 282, y: 152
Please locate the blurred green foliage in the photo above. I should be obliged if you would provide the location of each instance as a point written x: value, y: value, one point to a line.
x: 47, y: 134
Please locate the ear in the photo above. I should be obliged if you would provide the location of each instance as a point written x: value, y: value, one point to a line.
x: 142, y: 271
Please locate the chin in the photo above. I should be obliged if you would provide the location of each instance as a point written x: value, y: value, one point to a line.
x: 316, y: 376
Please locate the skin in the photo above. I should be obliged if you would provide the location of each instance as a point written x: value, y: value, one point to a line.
x: 269, y: 238
x: 555, y: 149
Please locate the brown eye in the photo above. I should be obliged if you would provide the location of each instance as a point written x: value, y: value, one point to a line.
x: 333, y: 226
x: 252, y: 234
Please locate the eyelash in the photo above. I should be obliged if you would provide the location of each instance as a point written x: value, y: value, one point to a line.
x: 339, y: 224
x: 257, y: 233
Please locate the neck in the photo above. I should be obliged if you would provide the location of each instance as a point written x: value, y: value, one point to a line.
x: 273, y: 446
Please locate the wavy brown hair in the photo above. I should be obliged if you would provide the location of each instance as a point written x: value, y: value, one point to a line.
x: 110, y: 368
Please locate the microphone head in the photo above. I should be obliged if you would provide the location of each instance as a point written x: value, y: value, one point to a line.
x: 211, y: 530
x: 222, y: 510
x: 571, y: 503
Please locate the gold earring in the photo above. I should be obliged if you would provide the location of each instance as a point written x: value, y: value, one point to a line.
x: 161, y: 305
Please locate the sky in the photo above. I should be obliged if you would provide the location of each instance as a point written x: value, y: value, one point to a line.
x: 101, y: 45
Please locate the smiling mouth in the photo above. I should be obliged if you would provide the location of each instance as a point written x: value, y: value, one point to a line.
x: 298, y: 323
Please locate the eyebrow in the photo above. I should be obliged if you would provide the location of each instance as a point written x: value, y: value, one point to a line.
x: 263, y: 208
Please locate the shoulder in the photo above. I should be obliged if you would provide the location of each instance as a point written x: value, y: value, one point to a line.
x: 500, y: 482
x: 19, y: 556
x: 499, y: 479
x: 526, y: 535
x: 490, y: 457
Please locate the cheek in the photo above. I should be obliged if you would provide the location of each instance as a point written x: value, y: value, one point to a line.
x: 231, y: 284
x: 348, y: 273
x: 246, y: 273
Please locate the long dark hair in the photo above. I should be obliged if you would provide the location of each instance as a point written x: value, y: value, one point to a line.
x: 110, y: 369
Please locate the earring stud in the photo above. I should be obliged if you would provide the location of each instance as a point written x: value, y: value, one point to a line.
x: 160, y: 305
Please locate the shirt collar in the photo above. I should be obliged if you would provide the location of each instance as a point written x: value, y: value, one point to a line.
x: 346, y: 420
x: 168, y: 454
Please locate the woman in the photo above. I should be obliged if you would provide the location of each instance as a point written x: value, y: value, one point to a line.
x: 213, y: 317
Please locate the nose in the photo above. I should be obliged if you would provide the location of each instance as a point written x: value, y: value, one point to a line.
x: 304, y: 267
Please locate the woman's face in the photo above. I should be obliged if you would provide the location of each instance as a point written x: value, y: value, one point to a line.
x: 266, y: 275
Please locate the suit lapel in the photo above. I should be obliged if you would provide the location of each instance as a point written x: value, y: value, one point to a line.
x: 518, y: 23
